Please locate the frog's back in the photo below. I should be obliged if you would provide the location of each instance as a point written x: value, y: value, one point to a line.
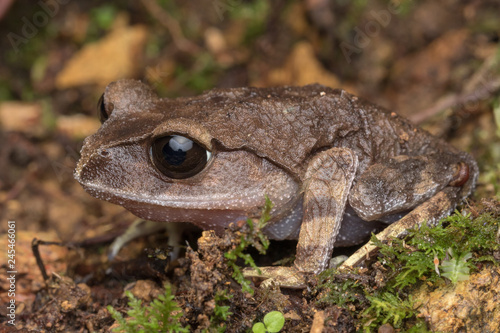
x: 284, y: 124
x: 288, y: 125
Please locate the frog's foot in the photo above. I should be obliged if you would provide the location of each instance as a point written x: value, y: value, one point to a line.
x: 286, y: 277
x: 142, y: 228
x: 431, y: 211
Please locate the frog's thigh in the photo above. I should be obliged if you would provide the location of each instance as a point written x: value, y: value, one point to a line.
x: 400, y: 184
x: 328, y: 179
x: 431, y: 211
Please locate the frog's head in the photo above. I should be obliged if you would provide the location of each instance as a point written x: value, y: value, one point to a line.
x: 154, y: 159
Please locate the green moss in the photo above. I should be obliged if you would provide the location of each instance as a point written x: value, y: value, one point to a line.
x: 161, y: 315
x: 253, y: 238
x: 221, y: 313
x: 387, y: 308
x: 448, y: 251
x: 413, y: 258
x: 342, y: 289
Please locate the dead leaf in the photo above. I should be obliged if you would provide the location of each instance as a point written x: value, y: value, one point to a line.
x: 116, y: 56
x: 77, y: 126
x: 421, y: 78
x: 21, y: 117
x: 318, y: 322
x: 301, y: 68
x: 28, y: 277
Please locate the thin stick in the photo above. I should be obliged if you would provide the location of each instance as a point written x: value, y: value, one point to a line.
x: 35, y: 243
x: 171, y: 25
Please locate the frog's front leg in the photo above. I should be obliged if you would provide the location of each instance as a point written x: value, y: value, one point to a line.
x: 328, y: 178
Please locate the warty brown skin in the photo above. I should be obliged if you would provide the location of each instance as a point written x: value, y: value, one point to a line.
x: 327, y: 156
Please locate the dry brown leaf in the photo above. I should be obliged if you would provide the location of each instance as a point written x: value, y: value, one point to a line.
x: 28, y: 277
x: 420, y: 79
x: 21, y: 116
x: 116, y: 56
x: 318, y: 322
x: 77, y: 126
x: 301, y: 68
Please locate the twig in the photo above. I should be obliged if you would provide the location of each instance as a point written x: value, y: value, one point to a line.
x: 478, y: 88
x: 36, y: 253
x: 484, y: 92
x: 171, y: 25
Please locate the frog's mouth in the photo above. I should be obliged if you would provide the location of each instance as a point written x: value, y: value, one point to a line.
x: 209, y: 215
x: 229, y: 201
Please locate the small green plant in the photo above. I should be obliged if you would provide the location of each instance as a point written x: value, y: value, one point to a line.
x: 387, y: 308
x: 254, y: 238
x: 104, y: 16
x: 200, y: 76
x: 456, y: 268
x: 457, y: 242
x: 161, y: 315
x: 101, y: 20
x: 413, y: 258
x: 341, y: 289
x: 221, y: 313
x: 273, y: 322
x: 253, y: 13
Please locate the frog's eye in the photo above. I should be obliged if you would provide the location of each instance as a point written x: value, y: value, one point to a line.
x: 178, y: 157
x: 104, y: 112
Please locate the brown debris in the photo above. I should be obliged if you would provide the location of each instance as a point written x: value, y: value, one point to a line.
x: 472, y: 305
x: 119, y: 54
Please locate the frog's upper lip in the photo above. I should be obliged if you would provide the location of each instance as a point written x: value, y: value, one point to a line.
x: 122, y: 197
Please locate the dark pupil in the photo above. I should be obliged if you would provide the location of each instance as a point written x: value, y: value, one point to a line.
x: 178, y: 157
x: 173, y: 157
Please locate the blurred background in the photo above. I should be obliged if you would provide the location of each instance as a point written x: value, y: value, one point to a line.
x: 435, y: 62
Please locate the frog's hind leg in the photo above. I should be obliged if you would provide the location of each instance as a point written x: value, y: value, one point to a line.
x: 431, y: 211
x: 430, y: 185
x: 403, y: 182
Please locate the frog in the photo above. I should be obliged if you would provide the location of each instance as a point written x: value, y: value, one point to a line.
x: 336, y: 167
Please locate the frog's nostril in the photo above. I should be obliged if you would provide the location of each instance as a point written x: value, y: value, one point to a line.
x: 461, y: 174
x: 104, y: 153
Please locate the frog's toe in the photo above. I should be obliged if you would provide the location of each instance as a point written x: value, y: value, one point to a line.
x: 286, y: 277
x: 142, y: 228
x: 135, y: 230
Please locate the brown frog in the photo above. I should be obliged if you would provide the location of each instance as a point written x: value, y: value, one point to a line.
x: 336, y: 167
